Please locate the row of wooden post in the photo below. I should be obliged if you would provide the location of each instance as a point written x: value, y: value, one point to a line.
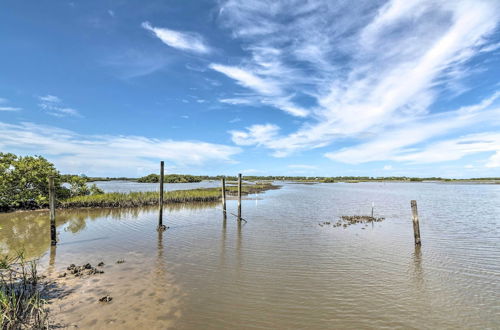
x: 52, y: 206
x: 223, y: 183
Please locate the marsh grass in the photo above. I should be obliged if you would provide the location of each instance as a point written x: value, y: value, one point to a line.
x: 135, y: 199
x: 21, y: 303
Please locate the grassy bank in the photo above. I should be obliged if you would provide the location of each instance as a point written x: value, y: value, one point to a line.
x: 21, y: 304
x: 134, y: 199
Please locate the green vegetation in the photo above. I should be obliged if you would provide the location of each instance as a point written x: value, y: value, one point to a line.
x: 24, y: 182
x: 170, y: 178
x: 21, y: 304
x: 134, y: 199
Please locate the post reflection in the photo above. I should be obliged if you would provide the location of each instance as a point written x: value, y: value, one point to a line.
x: 52, y: 259
x: 418, y: 273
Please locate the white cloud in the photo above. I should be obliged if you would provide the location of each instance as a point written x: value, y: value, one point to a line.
x: 403, y: 142
x: 247, y: 79
x: 387, y: 167
x: 256, y: 134
x: 237, y: 101
x: 107, y: 154
x: 187, y: 41
x: 50, y: 98
x: 9, y: 109
x: 370, y: 68
x: 494, y: 161
x: 53, y: 106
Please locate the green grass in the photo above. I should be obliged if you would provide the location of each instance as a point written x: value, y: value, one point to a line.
x: 21, y: 304
x: 135, y: 199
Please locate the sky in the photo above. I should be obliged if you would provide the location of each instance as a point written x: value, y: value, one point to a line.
x: 292, y: 87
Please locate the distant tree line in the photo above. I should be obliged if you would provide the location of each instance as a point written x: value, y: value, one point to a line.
x: 170, y: 178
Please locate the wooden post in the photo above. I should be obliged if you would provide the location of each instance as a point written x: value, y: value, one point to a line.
x: 224, y: 195
x: 239, y: 196
x: 416, y: 225
x: 160, y: 202
x: 373, y: 205
x: 52, y: 206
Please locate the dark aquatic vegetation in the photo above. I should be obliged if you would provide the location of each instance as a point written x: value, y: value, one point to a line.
x: 347, y: 220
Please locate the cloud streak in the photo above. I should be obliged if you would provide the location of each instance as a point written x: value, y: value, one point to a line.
x: 53, y: 106
x: 108, y: 154
x: 186, y: 41
x: 366, y: 76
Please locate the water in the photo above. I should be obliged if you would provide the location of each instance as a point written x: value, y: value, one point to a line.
x: 281, y: 269
x: 128, y: 186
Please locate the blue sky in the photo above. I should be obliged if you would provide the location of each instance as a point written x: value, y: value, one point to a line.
x: 316, y: 88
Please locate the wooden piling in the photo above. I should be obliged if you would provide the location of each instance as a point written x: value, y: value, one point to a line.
x: 416, y: 225
x: 224, y: 194
x: 52, y: 207
x: 373, y: 206
x: 239, y: 197
x: 160, y: 202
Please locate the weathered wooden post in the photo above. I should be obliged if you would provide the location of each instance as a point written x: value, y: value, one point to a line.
x: 239, y: 197
x: 373, y: 206
x: 160, y: 202
x: 52, y: 206
x: 224, y: 195
x: 416, y: 225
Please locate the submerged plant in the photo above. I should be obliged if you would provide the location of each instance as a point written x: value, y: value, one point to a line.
x: 21, y: 303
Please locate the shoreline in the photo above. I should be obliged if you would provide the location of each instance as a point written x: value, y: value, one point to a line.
x: 141, y: 199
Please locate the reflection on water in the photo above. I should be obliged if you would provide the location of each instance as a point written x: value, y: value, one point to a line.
x: 30, y: 231
x: 280, y: 269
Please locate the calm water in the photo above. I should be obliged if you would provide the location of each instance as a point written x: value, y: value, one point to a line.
x: 128, y: 186
x: 281, y: 269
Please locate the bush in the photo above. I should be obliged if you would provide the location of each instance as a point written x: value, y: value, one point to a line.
x: 24, y: 183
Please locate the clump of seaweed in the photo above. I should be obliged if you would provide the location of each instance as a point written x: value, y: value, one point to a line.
x: 79, y: 271
x: 21, y: 302
x: 348, y: 220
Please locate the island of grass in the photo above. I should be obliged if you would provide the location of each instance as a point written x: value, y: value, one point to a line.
x: 135, y: 199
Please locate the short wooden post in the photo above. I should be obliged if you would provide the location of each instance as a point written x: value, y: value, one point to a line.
x: 416, y: 225
x: 239, y: 196
x: 160, y: 202
x: 224, y: 195
x: 373, y: 206
x: 52, y: 206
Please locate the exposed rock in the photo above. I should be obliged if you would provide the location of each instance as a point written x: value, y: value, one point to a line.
x: 106, y: 299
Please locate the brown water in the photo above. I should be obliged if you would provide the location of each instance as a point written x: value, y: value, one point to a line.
x: 281, y: 269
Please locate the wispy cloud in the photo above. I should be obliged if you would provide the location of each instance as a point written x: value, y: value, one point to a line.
x: 108, y: 154
x: 187, y: 41
x: 369, y: 68
x: 53, y: 106
x: 9, y: 109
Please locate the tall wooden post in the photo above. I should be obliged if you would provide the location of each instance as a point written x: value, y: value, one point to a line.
x: 239, y: 196
x: 224, y: 195
x: 160, y: 202
x: 52, y: 206
x: 416, y: 225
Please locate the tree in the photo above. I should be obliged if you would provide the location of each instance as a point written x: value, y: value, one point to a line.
x: 23, y: 181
